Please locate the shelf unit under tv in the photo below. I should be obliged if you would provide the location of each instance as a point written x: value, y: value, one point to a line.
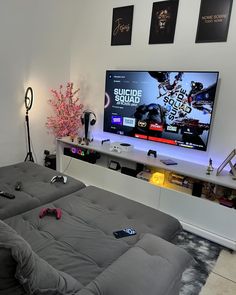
x: 199, y: 215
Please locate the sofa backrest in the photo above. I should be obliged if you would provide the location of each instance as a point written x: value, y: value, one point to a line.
x: 23, y: 267
x: 8, y: 283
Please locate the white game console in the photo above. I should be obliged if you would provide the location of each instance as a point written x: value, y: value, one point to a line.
x: 121, y: 147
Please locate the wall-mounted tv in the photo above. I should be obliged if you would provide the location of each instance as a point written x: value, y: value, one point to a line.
x: 173, y: 107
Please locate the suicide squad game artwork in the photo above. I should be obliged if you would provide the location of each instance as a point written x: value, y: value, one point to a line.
x: 168, y: 107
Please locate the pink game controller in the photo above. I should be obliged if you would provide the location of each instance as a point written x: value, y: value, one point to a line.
x: 50, y: 211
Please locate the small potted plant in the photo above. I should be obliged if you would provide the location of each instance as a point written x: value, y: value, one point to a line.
x: 67, y: 112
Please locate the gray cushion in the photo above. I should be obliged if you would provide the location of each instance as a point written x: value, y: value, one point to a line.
x: 8, y: 283
x: 70, y: 244
x: 109, y: 212
x: 34, y: 274
x: 81, y: 243
x: 36, y: 187
x: 153, y: 266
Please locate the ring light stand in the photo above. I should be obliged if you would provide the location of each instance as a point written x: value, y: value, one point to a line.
x: 28, y: 105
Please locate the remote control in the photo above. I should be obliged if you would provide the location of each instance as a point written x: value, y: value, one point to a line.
x: 7, y: 195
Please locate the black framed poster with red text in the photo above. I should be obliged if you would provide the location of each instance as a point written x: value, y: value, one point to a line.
x: 122, y: 25
x: 213, y: 22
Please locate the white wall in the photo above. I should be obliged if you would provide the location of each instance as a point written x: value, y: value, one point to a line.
x: 35, y: 51
x: 92, y: 54
x: 48, y: 42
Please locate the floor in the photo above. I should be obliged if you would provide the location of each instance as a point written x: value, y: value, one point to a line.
x: 222, y: 280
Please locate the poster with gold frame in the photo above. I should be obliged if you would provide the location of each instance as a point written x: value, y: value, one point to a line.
x: 162, y: 28
x: 122, y: 22
x: 213, y: 21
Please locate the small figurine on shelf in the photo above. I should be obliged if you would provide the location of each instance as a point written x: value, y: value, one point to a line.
x: 210, y: 167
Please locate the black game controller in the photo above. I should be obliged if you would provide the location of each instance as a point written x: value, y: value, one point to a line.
x: 152, y: 152
x: 18, y: 186
x: 7, y: 195
x: 59, y: 178
x: 104, y: 140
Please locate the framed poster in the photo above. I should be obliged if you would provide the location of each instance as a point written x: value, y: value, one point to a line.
x: 122, y: 25
x: 162, y: 29
x: 213, y: 22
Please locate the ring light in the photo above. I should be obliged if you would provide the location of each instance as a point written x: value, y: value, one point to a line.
x: 28, y: 98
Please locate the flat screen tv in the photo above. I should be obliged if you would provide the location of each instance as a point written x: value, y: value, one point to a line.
x: 172, y: 107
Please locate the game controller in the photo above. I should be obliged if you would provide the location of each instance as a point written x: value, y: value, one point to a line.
x: 50, y: 211
x: 59, y: 178
x: 7, y: 195
x: 104, y: 140
x: 152, y: 152
x: 18, y: 186
x: 115, y: 149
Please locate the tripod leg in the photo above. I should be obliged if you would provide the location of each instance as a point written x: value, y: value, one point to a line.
x: 29, y: 154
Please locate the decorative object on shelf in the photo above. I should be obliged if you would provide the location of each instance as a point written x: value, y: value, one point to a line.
x: 157, y: 178
x: 213, y: 22
x: 122, y: 25
x: 163, y: 22
x: 29, y: 96
x: 67, y: 109
x: 209, y: 167
x: 72, y: 138
x: 226, y: 162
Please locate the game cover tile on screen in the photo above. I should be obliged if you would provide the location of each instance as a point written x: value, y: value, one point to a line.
x: 167, y: 107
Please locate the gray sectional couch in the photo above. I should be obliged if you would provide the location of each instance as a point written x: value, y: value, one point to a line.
x: 36, y: 187
x: 78, y: 254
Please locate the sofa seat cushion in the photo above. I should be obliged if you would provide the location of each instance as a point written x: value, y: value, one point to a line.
x: 110, y: 212
x: 152, y: 266
x: 82, y: 243
x: 32, y: 273
x: 36, y: 187
x: 69, y: 244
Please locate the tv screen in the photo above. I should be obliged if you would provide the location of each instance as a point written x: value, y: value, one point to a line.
x: 164, y: 106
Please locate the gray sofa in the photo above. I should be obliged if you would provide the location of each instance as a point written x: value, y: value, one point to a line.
x: 78, y: 254
x: 36, y: 187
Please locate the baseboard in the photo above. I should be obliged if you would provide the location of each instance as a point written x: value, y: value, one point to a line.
x: 210, y: 236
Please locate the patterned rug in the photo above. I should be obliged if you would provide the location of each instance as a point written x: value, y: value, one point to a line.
x: 205, y: 254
